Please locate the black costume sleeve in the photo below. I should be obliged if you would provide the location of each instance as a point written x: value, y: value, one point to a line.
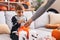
x: 16, y: 25
x: 14, y: 21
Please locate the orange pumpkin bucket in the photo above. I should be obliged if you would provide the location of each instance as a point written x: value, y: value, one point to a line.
x: 56, y: 34
x: 25, y: 29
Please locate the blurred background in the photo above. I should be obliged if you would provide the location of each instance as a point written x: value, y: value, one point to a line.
x: 7, y: 5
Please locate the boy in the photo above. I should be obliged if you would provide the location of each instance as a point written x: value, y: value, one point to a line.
x: 17, y: 21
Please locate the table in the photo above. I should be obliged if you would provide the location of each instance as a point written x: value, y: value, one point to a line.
x: 36, y: 34
x: 39, y: 34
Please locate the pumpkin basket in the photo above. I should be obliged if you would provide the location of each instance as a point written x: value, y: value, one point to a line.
x: 56, y: 33
x: 23, y: 28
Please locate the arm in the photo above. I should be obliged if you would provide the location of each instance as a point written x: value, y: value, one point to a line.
x: 15, y: 24
x: 14, y: 21
x: 41, y: 10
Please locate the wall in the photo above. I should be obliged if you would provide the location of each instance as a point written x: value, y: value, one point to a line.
x: 56, y: 5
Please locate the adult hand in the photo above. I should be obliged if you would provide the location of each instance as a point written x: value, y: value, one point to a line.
x: 28, y: 23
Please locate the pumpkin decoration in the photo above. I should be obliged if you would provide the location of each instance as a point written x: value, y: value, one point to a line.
x: 56, y: 34
x: 52, y: 26
x: 12, y: 0
x: 25, y: 29
x: 12, y: 8
x: 1, y: 0
x: 3, y: 8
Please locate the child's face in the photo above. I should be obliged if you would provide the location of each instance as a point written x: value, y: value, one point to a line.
x: 19, y: 12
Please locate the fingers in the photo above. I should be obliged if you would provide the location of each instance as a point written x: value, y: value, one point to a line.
x: 28, y: 23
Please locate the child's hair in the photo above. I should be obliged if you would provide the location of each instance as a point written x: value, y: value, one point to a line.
x: 19, y: 8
